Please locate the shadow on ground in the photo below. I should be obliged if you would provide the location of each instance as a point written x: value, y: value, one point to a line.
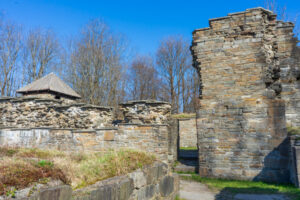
x: 252, y: 193
x: 188, y: 159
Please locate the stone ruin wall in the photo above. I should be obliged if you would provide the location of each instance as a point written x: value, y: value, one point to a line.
x: 153, y: 139
x: 33, y: 112
x: 290, y: 81
x: 145, y: 112
x: 45, y: 123
x: 241, y: 121
x: 187, y: 132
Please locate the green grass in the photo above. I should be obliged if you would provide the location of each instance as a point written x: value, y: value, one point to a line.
x: 235, y: 186
x: 293, y: 130
x: 189, y: 148
x: 20, y: 167
x: 178, y: 198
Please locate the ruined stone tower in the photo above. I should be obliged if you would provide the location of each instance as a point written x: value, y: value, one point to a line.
x: 241, y: 121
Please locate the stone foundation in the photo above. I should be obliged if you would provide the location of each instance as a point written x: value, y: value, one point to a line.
x: 241, y: 121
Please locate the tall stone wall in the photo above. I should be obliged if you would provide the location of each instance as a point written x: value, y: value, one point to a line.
x: 28, y: 112
x: 241, y: 122
x: 290, y: 76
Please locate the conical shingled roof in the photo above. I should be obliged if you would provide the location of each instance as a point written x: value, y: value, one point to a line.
x: 49, y: 82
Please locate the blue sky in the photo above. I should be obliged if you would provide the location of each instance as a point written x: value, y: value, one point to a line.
x: 144, y: 23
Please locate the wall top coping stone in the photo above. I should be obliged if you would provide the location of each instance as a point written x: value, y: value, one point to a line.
x: 84, y: 131
x: 39, y: 128
x: 82, y: 105
x: 270, y: 13
x: 79, y: 130
x: 53, y: 128
x: 186, y: 118
x: 230, y: 15
x: 144, y: 101
x: 142, y: 125
x: 93, y: 130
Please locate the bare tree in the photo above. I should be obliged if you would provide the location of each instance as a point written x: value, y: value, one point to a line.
x: 145, y: 83
x: 39, y: 54
x: 96, y: 64
x: 281, y: 11
x: 173, y: 59
x: 10, y: 45
x: 192, y: 91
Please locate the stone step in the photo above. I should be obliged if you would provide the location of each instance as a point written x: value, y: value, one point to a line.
x: 186, y: 168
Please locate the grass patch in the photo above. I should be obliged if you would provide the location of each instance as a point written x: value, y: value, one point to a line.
x: 235, y: 186
x: 17, y: 173
x: 293, y: 130
x: 178, y: 198
x: 189, y: 148
x: 21, y: 167
x: 184, y: 115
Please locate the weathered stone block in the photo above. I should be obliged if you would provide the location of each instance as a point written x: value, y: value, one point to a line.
x: 57, y: 193
x: 155, y: 172
x: 139, y: 179
x: 166, y: 186
x: 109, y: 136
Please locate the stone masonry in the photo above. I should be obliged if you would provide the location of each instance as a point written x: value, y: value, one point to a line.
x: 48, y: 123
x: 290, y: 76
x: 187, y: 132
x: 28, y: 112
x: 241, y: 121
x: 154, y: 181
x: 146, y: 112
x: 153, y: 139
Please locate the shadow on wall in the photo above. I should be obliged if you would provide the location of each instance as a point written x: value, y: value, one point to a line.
x: 189, y: 158
x: 277, y: 168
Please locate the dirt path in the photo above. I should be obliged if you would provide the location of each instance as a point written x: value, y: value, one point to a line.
x: 190, y: 190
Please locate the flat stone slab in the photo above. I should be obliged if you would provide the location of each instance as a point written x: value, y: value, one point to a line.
x: 260, y: 197
x: 185, y: 168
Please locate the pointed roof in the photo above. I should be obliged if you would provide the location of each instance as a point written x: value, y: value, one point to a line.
x: 49, y: 82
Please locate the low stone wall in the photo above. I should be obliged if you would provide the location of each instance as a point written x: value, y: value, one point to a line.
x: 151, y: 138
x: 187, y: 132
x: 28, y: 112
x: 152, y: 182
